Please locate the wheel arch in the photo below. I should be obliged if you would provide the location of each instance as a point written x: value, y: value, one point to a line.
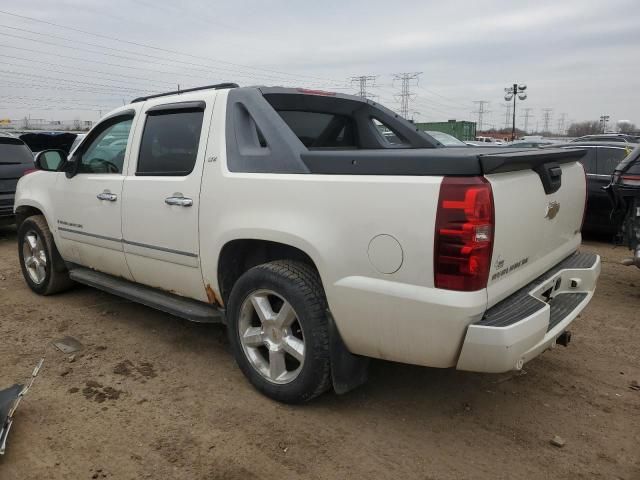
x: 239, y: 255
x: 25, y: 211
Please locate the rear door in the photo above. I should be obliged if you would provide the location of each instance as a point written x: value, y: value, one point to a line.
x: 161, y: 194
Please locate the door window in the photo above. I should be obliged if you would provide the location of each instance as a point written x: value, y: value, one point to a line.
x: 609, y: 158
x: 170, y: 143
x: 105, y: 152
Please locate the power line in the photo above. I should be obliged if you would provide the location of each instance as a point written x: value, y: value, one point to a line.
x: 507, y: 114
x: 561, y: 123
x: 546, y: 115
x: 362, y: 82
x: 481, y: 112
x: 192, y: 67
x: 527, y: 114
x: 405, y: 94
x: 165, y: 50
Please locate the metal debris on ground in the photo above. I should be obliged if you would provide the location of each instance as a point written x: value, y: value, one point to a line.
x: 67, y: 345
x: 9, y: 401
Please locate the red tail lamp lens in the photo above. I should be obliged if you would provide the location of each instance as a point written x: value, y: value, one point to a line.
x: 464, y: 234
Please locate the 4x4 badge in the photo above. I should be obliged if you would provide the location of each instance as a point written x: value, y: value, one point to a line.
x: 552, y: 210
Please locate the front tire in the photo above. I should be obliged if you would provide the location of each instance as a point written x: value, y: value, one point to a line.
x: 42, y: 266
x: 278, y: 330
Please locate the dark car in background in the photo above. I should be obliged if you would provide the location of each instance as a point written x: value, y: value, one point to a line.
x: 15, y: 160
x: 624, y: 191
x: 601, y: 160
x: 609, y: 137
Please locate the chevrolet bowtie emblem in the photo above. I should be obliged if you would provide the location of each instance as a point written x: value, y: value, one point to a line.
x: 552, y: 210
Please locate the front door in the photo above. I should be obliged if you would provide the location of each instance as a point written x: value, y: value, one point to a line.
x: 87, y: 207
x: 161, y: 195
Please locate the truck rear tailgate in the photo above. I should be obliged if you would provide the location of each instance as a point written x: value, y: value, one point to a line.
x: 539, y: 200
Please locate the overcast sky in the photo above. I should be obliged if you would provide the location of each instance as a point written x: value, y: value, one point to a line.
x: 576, y: 57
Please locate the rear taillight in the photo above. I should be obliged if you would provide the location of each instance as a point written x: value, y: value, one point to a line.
x: 464, y: 234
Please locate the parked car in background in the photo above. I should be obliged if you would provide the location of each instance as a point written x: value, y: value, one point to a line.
x: 15, y: 160
x: 608, y: 137
x: 601, y: 160
x: 38, y: 141
x: 446, y: 139
x: 624, y: 191
x: 530, y: 143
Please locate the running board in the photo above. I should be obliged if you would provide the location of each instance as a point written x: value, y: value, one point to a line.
x: 151, y: 297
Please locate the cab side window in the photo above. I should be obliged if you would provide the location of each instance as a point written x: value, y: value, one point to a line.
x: 169, y: 145
x: 105, y: 152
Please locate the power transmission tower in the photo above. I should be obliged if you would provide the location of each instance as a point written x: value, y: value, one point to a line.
x: 561, y: 123
x: 546, y: 115
x: 405, y: 94
x: 481, y: 112
x: 527, y: 115
x: 363, y: 82
x: 507, y: 114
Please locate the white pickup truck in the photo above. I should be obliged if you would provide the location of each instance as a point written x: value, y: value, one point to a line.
x: 321, y: 228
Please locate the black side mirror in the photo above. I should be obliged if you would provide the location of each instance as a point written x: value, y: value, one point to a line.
x: 50, y: 160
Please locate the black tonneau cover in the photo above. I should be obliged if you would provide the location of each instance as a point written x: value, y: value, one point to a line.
x: 463, y: 161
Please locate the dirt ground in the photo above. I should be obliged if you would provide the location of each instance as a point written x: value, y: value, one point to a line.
x: 152, y: 396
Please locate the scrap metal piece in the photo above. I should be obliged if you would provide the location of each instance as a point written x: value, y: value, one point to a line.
x: 68, y: 345
x: 9, y: 401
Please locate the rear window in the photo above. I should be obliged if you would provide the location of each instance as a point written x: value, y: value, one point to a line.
x: 14, y: 151
x: 170, y: 144
x: 321, y: 130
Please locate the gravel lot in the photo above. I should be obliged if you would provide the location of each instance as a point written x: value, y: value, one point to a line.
x: 151, y: 396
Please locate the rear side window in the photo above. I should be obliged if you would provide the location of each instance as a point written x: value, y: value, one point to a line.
x: 170, y: 143
x: 14, y: 151
x: 321, y: 130
x: 609, y: 158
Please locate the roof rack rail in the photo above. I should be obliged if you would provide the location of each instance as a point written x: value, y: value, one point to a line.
x: 217, y: 86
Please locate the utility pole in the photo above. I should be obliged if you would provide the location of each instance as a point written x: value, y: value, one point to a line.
x: 364, y: 81
x: 405, y: 90
x: 604, y: 119
x: 481, y: 112
x: 507, y: 114
x: 561, y: 123
x: 527, y: 115
x: 546, y: 115
x: 515, y: 91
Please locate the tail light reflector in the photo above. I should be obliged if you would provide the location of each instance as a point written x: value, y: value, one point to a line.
x: 464, y: 234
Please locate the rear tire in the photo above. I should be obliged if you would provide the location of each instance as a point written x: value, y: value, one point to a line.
x: 42, y: 266
x: 278, y: 330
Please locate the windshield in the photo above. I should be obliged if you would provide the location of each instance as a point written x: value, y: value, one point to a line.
x: 446, y: 139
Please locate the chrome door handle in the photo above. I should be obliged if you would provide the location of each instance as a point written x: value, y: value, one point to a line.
x: 180, y: 201
x: 108, y: 196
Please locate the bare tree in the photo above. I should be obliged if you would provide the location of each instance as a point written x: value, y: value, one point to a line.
x: 579, y: 129
x: 628, y: 127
